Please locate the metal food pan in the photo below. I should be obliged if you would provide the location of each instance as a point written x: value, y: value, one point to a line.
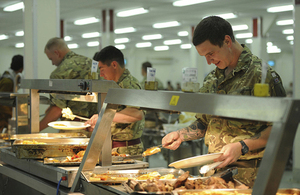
x: 49, y: 147
x: 45, y: 135
x: 134, y: 173
x: 292, y: 191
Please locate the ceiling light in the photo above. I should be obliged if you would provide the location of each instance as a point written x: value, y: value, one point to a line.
x: 172, y: 42
x: 240, y: 27
x: 19, y: 33
x: 291, y: 42
x: 181, y: 3
x: 186, y: 46
x: 14, y: 7
x: 19, y: 45
x: 290, y: 38
x: 183, y: 33
x: 161, y: 48
x: 68, y: 38
x: 124, y: 30
x: 144, y: 44
x: 225, y: 16
x: 86, y: 21
x: 288, y: 31
x: 152, y: 37
x: 285, y: 22
x: 166, y: 24
x: 280, y: 8
x: 132, y: 12
x: 2, y: 37
x: 248, y: 41
x: 121, y: 40
x: 273, y: 49
x: 73, y: 46
x: 243, y: 35
x: 269, y: 44
x: 120, y: 46
x: 91, y: 35
x: 93, y: 44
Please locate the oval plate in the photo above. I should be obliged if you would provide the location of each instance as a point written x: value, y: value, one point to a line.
x: 68, y: 125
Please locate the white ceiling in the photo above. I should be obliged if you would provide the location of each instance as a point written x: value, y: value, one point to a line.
x: 159, y: 11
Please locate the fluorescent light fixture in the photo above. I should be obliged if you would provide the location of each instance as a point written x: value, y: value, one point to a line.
x: 143, y: 44
x: 19, y: 45
x: 291, y: 42
x: 240, y: 27
x: 183, y: 33
x: 132, y: 12
x: 91, y: 35
x: 93, y: 44
x: 124, y: 30
x: 288, y: 31
x: 86, y: 21
x: 73, y: 46
x: 14, y: 7
x: 280, y: 8
x: 172, y: 42
x: 273, y: 49
x: 19, y: 33
x: 121, y: 40
x: 161, y: 48
x: 243, y: 35
x: 186, y: 46
x: 285, y: 22
x: 2, y: 37
x: 166, y: 24
x: 68, y: 38
x: 152, y: 37
x: 269, y: 44
x: 121, y: 46
x: 248, y: 41
x: 290, y: 38
x: 181, y: 3
x: 225, y: 16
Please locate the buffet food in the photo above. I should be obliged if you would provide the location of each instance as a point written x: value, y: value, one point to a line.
x: 151, y: 151
x: 67, y: 113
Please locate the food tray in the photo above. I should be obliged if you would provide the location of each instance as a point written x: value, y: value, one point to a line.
x: 134, y: 173
x: 57, y: 161
x: 292, y: 191
x: 14, y: 137
x: 49, y: 147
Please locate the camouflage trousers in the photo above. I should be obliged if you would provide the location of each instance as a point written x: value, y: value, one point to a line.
x: 131, y: 150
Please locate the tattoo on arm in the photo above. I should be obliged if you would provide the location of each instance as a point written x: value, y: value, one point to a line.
x: 195, y: 131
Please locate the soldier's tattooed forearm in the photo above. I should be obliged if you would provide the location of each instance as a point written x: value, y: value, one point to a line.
x: 193, y: 131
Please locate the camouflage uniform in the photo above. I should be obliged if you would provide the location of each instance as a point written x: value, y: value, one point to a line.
x: 128, y: 131
x: 160, y: 85
x: 221, y: 131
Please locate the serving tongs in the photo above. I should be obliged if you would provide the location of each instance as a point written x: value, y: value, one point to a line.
x: 147, y: 152
x: 67, y: 113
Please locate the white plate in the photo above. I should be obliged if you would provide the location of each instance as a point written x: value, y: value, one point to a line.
x: 68, y: 125
x: 195, y: 161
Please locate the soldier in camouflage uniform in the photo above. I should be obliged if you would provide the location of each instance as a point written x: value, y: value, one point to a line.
x: 236, y: 73
x: 128, y: 123
x: 69, y: 66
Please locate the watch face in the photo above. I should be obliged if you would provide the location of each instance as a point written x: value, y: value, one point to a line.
x: 245, y: 149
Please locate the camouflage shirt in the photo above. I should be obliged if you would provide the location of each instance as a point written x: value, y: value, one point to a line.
x: 127, y: 131
x: 221, y: 131
x: 74, y: 66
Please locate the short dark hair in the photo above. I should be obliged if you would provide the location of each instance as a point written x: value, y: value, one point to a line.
x: 17, y: 62
x: 145, y: 65
x: 214, y: 29
x: 109, y: 54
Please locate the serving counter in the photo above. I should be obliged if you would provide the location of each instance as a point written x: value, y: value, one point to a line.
x: 281, y: 111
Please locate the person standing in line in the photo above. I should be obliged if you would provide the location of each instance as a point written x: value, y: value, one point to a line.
x: 242, y: 142
x: 7, y: 84
x: 69, y: 65
x: 128, y: 123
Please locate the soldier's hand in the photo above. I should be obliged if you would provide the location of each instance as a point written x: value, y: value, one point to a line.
x: 171, y: 141
x: 92, y: 122
x: 231, y: 153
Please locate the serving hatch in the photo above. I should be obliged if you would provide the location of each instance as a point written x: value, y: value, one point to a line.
x: 42, y: 148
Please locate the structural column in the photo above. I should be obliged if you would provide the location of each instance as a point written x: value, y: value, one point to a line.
x: 107, y: 30
x: 296, y: 85
x: 41, y: 22
x: 258, y: 46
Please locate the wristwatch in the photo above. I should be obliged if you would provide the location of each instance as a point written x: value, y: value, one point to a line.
x: 245, y: 148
